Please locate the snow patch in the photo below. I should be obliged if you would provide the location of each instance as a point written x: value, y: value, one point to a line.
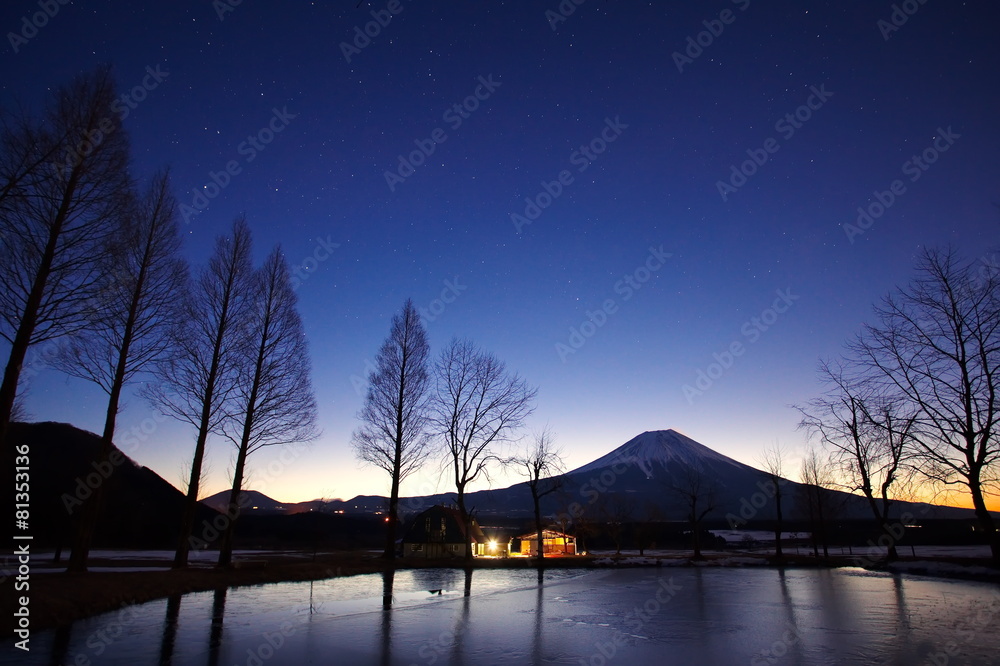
x: 652, y: 451
x: 944, y: 569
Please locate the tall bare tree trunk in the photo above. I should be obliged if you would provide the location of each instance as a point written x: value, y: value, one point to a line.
x: 394, y: 433
x: 92, y: 508
x: 272, y: 402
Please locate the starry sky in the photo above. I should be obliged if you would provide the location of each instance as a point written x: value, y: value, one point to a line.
x: 648, y: 209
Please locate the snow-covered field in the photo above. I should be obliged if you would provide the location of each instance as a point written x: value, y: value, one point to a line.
x: 628, y: 616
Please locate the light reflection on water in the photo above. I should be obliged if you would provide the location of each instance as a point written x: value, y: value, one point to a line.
x: 427, y: 616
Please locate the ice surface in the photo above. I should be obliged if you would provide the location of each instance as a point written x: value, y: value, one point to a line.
x: 627, y: 616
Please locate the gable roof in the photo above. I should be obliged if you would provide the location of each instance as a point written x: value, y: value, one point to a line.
x: 454, y: 531
x: 546, y: 534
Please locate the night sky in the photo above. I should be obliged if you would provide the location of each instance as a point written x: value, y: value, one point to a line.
x: 609, y: 207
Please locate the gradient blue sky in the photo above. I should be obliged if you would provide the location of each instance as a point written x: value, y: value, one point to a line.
x: 322, y: 180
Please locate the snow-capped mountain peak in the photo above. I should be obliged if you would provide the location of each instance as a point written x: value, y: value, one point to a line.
x: 653, y: 450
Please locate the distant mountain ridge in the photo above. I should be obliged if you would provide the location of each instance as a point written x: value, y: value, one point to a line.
x: 250, y: 500
x: 645, y: 474
x: 144, y: 509
x: 260, y: 504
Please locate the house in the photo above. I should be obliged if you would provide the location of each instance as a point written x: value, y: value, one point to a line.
x: 440, y: 532
x: 553, y: 543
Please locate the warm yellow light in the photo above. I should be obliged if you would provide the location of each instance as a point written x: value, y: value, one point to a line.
x: 493, y: 545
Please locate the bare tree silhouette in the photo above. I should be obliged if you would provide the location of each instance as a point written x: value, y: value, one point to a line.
x: 63, y: 190
x: 196, y: 383
x: 699, y: 497
x: 394, y: 435
x: 936, y: 343
x: 869, y: 435
x: 272, y: 401
x: 478, y: 406
x: 542, y: 463
x: 128, y: 330
x: 772, y: 459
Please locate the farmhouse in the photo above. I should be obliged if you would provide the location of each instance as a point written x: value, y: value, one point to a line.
x: 440, y: 532
x: 553, y: 543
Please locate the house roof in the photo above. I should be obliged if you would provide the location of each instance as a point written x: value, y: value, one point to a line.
x: 455, y: 527
x: 546, y: 534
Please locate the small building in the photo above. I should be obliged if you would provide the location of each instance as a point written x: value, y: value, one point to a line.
x: 553, y: 543
x: 440, y: 532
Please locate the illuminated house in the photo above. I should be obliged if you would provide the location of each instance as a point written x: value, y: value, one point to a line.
x: 553, y: 543
x: 440, y: 532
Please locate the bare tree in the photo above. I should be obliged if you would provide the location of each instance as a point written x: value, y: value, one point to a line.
x: 64, y: 187
x: 19, y: 412
x: 273, y: 400
x: 937, y: 343
x: 869, y: 436
x: 816, y: 482
x: 647, y: 521
x: 394, y: 435
x: 129, y: 326
x: 543, y: 464
x: 197, y: 381
x: 772, y: 459
x: 477, y: 407
x: 699, y: 497
x: 616, y: 511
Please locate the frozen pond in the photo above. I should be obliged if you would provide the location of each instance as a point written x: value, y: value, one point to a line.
x: 628, y: 616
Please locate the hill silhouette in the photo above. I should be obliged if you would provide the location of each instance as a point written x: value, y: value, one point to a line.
x: 141, y: 509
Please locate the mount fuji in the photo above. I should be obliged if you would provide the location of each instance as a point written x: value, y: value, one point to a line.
x: 653, y: 452
x: 648, y: 475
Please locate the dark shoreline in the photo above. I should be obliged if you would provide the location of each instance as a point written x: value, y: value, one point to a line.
x: 60, y: 598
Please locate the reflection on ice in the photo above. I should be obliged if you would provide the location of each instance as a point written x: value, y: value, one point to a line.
x: 455, y: 616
